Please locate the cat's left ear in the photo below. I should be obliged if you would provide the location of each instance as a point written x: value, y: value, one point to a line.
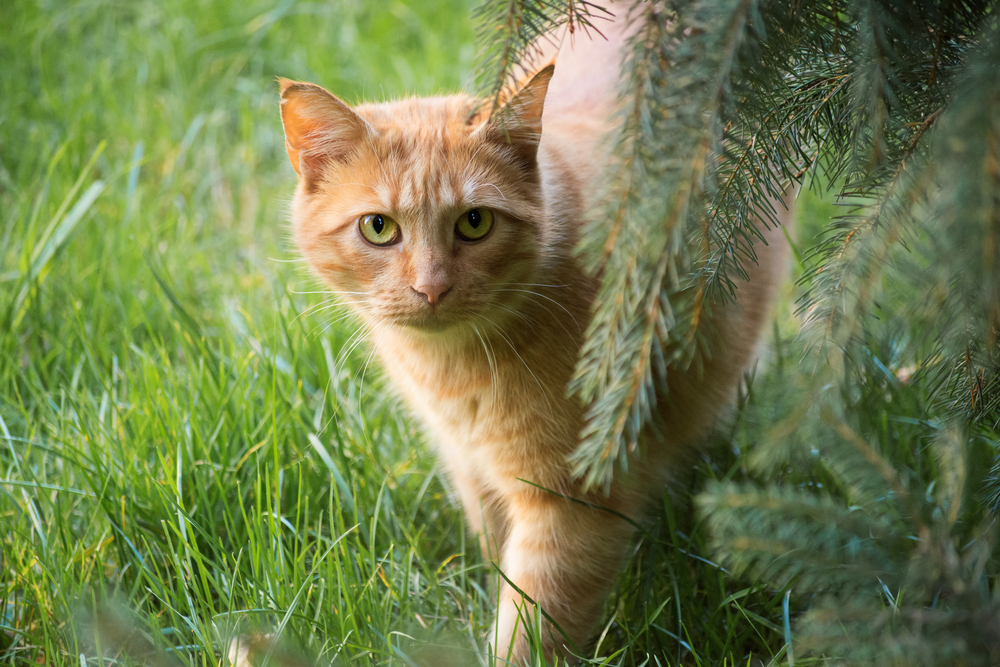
x: 518, y: 123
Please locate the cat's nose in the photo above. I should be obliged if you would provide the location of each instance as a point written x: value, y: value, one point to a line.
x: 432, y: 291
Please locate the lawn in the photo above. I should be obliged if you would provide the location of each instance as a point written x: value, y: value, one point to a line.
x: 192, y: 443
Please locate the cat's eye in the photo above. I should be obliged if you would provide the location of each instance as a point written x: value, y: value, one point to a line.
x: 475, y: 224
x: 379, y: 229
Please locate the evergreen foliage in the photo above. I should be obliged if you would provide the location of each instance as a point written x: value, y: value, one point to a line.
x: 874, y: 494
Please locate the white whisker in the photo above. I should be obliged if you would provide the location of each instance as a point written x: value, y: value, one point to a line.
x: 519, y: 284
x: 326, y: 326
x: 493, y: 373
x: 364, y: 370
x: 530, y: 321
x: 527, y: 291
x: 357, y: 337
x: 513, y: 349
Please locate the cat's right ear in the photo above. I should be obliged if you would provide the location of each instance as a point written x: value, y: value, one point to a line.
x: 319, y: 127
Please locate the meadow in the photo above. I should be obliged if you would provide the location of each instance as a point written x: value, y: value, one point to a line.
x: 193, y: 442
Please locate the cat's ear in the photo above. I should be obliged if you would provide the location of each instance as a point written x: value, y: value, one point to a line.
x: 518, y: 122
x: 319, y: 127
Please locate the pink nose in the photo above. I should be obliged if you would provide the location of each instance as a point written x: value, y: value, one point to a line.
x: 431, y: 291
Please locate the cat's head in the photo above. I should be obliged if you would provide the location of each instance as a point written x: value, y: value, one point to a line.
x: 421, y: 213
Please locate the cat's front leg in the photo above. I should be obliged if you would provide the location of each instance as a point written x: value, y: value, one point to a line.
x: 484, y: 512
x: 564, y: 556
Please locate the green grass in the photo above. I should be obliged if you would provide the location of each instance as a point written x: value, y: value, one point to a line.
x: 180, y: 436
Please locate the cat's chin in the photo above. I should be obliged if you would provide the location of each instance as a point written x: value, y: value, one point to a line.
x: 430, y: 323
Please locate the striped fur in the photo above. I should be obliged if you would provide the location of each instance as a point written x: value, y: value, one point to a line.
x: 486, y: 367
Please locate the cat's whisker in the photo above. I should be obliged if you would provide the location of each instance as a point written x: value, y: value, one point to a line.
x: 332, y: 304
x: 544, y: 309
x: 318, y: 307
x: 300, y: 260
x: 530, y: 321
x: 335, y: 304
x: 520, y: 284
x: 320, y: 303
x: 326, y: 325
x: 497, y: 189
x: 321, y: 328
x: 566, y: 310
x: 345, y: 352
x: 364, y: 369
x: 493, y: 373
x: 497, y: 388
x: 468, y: 165
x: 340, y: 318
x: 335, y: 300
x: 513, y: 349
x: 309, y: 310
x: 326, y: 291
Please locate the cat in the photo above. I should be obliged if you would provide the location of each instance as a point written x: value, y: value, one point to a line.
x: 451, y: 233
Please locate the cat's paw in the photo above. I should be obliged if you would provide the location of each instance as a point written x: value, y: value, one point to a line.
x: 243, y: 648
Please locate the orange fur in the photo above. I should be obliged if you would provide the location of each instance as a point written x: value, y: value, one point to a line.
x: 486, y: 365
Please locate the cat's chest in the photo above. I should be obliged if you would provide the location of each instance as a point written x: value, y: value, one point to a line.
x: 495, y: 419
x: 474, y: 401
x: 457, y: 398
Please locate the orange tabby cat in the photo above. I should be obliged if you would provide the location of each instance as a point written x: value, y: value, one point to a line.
x: 452, y: 236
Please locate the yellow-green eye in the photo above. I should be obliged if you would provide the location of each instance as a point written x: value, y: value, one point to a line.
x: 379, y: 229
x: 474, y: 224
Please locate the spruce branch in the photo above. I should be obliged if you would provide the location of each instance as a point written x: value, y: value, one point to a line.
x: 917, y: 588
x: 885, y: 586
x: 510, y: 33
x: 648, y: 307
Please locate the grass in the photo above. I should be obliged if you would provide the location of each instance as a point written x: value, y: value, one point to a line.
x: 188, y: 449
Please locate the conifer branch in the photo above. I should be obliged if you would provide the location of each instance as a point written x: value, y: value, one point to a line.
x: 511, y: 32
x: 918, y: 586
x: 648, y: 307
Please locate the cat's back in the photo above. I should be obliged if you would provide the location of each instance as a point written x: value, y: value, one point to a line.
x: 588, y: 71
x: 582, y: 99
